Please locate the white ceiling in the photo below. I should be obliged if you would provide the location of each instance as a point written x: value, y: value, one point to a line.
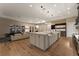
x: 32, y: 12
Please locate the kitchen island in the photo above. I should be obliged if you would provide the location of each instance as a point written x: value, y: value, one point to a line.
x: 43, y: 40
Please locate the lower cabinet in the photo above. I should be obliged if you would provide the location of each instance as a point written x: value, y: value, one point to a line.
x: 32, y: 37
x: 46, y: 41
x: 37, y: 40
x: 41, y: 42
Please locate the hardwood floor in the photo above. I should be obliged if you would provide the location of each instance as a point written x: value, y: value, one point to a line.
x: 63, y: 47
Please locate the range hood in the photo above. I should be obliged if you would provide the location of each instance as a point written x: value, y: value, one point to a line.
x: 77, y: 20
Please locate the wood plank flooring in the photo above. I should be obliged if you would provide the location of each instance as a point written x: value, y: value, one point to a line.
x: 63, y: 47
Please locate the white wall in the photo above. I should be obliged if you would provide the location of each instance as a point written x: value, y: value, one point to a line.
x: 44, y: 27
x: 5, y: 23
x: 70, y: 27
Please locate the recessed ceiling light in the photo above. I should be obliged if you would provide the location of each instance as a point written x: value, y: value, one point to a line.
x: 54, y: 5
x: 30, y: 5
x: 43, y: 21
x: 68, y: 8
x: 49, y: 25
x: 37, y: 26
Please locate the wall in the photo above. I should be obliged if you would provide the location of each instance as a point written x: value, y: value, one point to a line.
x: 5, y: 23
x: 45, y: 26
x: 42, y: 27
x: 71, y: 27
x: 58, y: 21
x: 4, y: 26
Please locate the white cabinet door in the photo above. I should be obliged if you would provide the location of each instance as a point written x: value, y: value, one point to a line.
x: 32, y: 39
x: 46, y: 39
x: 42, y: 44
x: 37, y: 37
x: 55, y: 37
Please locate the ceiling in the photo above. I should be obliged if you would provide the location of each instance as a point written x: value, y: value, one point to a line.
x: 37, y: 12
